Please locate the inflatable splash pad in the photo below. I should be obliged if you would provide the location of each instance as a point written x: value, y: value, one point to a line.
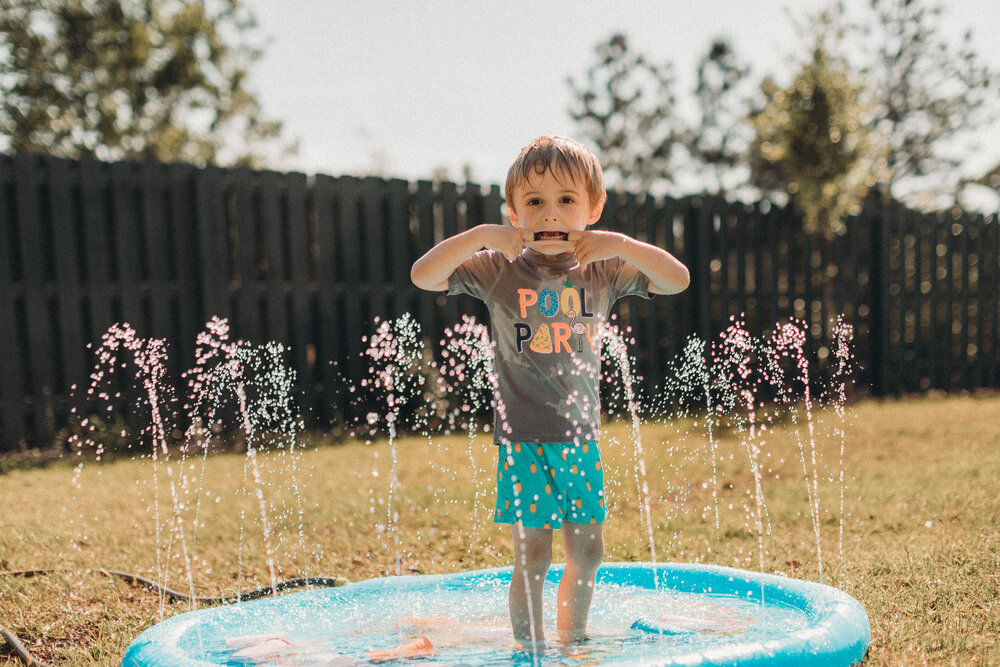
x: 670, y: 614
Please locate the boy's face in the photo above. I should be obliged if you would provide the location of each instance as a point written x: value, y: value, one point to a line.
x: 549, y: 204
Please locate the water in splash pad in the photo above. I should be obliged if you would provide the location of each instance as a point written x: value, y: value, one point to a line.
x: 670, y: 614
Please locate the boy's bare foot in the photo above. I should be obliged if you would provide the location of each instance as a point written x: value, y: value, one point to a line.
x: 529, y: 646
x: 572, y: 636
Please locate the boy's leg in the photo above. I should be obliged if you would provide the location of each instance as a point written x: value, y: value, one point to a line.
x: 532, y: 557
x: 584, y: 547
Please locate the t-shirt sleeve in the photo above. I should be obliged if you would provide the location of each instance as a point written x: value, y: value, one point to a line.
x: 478, y: 275
x: 626, y: 280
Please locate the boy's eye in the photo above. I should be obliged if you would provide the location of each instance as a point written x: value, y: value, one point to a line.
x: 566, y: 200
x: 534, y: 202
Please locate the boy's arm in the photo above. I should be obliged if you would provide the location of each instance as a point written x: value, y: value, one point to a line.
x: 666, y: 274
x: 432, y: 271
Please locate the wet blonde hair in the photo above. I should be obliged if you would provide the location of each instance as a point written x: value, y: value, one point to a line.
x: 561, y: 157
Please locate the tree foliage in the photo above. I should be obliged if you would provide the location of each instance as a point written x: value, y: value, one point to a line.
x: 914, y: 94
x: 811, y: 142
x: 928, y: 94
x: 879, y: 97
x: 626, y: 108
x: 991, y: 178
x: 130, y: 79
x: 718, y: 142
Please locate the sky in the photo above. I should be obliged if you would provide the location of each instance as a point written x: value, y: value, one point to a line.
x: 403, y: 88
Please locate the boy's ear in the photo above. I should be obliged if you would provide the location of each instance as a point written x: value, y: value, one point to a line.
x: 512, y: 214
x: 595, y: 213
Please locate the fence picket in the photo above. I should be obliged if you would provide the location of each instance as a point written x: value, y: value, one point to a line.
x: 947, y: 317
x: 13, y: 389
x: 96, y: 255
x: 329, y: 343
x: 39, y: 360
x: 128, y: 246
x: 449, y: 227
x: 930, y: 230
x: 897, y: 255
x: 697, y: 258
x: 649, y: 321
x: 978, y: 228
x: 992, y: 361
x: 719, y: 265
x: 351, y: 253
x: 879, y: 300
x: 913, y: 333
x: 669, y: 318
x: 427, y: 237
x: 919, y: 307
x: 71, y: 328
x: 964, y: 224
x: 740, y: 279
x: 185, y: 289
x: 492, y: 204
x: 273, y: 231
x: 759, y: 296
x: 401, y: 247
x: 302, y: 331
x: 247, y: 266
x: 157, y: 253
x: 213, y: 241
x: 373, y: 248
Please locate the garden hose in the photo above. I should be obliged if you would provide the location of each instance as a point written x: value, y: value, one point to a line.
x: 134, y: 579
x: 19, y: 649
x: 323, y: 582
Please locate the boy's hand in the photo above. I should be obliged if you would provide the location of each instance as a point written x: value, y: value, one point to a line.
x: 508, y: 241
x: 593, y: 246
x: 666, y: 274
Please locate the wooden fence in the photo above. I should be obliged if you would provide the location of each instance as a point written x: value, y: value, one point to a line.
x: 310, y: 261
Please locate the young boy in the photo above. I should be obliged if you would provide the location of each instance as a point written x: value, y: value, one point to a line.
x: 549, y: 285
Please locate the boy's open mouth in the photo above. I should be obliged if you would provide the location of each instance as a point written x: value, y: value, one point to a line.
x: 551, y: 236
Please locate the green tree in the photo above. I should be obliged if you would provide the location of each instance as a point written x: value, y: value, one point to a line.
x: 131, y: 79
x: 927, y: 94
x: 626, y: 108
x: 811, y: 142
x: 718, y: 142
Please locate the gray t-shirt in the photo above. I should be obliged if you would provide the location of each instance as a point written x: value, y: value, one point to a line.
x: 546, y: 317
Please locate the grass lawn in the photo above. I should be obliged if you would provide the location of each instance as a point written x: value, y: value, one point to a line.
x: 917, y: 543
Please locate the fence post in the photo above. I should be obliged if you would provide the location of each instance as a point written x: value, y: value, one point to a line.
x: 878, y: 299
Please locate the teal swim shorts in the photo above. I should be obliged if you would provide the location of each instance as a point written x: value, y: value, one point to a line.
x: 540, y: 485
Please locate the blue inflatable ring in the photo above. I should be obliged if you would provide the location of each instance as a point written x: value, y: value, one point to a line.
x: 670, y: 614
